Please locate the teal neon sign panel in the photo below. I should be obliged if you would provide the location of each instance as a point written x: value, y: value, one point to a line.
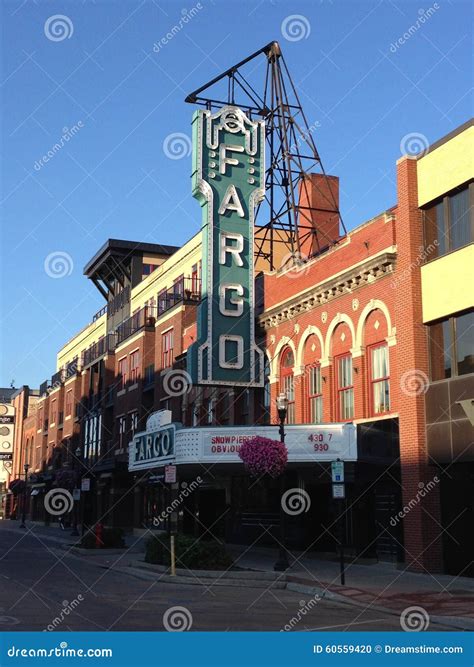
x: 228, y: 181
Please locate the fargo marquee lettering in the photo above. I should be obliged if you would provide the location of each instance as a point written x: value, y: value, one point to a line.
x: 156, y: 447
x: 228, y: 182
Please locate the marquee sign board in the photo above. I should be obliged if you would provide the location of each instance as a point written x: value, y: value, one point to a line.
x: 306, y: 443
x: 228, y: 181
x: 150, y: 449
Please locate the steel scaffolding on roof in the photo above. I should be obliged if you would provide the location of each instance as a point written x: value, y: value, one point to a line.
x: 291, y: 156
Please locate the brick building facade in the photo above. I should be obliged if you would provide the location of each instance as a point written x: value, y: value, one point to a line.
x: 346, y: 337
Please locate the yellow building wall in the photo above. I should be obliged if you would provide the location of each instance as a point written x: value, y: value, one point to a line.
x: 86, y: 337
x: 446, y: 167
x: 179, y: 264
x: 447, y: 284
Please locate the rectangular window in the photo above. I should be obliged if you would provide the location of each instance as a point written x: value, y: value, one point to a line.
x: 434, y: 230
x: 441, y: 343
x: 460, y: 219
x: 122, y: 369
x: 245, y: 406
x: 224, y: 409
x: 209, y: 405
x: 39, y: 418
x: 54, y: 411
x: 149, y: 375
x: 167, y: 342
x: 449, y: 224
x: 122, y: 430
x: 380, y: 379
x: 464, y: 328
x: 452, y: 347
x: 162, y: 301
x: 134, y: 422
x: 345, y: 388
x: 315, y: 397
x: 69, y: 403
x: 194, y: 278
x: 134, y: 366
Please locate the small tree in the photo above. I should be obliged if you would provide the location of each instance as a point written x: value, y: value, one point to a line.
x: 264, y: 456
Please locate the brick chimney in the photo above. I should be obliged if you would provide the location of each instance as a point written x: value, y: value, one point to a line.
x: 318, y: 212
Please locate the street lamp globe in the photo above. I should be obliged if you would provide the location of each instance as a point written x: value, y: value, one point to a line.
x: 282, y: 406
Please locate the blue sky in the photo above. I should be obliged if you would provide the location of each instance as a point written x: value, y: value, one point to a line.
x: 95, y: 77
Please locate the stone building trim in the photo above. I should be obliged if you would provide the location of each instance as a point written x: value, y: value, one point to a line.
x: 348, y: 281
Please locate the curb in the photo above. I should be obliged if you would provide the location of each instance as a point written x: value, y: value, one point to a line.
x: 210, y: 574
x: 151, y: 572
x: 197, y: 581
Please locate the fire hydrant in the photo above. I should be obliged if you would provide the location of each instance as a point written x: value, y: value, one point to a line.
x: 99, y: 530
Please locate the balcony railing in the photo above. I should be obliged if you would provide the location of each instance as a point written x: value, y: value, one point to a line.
x: 72, y: 368
x: 185, y: 289
x: 94, y: 352
x: 57, y: 379
x: 145, y: 317
x: 43, y: 390
x: 99, y: 313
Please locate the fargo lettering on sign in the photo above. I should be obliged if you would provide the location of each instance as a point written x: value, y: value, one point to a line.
x: 150, y: 447
x: 228, y: 182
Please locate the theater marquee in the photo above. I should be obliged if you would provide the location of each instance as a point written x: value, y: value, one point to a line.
x: 228, y: 182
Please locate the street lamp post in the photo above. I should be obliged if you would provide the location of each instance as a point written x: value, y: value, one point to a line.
x: 23, y: 513
x: 282, y: 563
x: 74, y: 531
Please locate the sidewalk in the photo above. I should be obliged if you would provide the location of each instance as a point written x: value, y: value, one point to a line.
x: 378, y: 585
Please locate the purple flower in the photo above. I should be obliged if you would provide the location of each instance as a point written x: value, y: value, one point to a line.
x: 263, y: 456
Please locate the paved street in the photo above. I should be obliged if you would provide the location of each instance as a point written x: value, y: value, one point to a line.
x: 39, y: 580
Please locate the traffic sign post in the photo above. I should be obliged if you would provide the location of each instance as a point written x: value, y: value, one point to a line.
x: 337, y: 471
x: 339, y: 493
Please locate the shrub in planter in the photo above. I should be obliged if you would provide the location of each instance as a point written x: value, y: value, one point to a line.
x: 192, y: 553
x: 112, y: 538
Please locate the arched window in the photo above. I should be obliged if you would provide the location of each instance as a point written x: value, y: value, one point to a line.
x: 313, y: 410
x: 287, y: 382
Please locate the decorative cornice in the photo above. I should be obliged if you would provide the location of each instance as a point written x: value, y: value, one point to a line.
x: 320, y: 294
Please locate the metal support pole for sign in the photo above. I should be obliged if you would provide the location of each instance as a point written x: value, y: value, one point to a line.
x: 172, y: 556
x: 341, y: 546
x: 173, y: 526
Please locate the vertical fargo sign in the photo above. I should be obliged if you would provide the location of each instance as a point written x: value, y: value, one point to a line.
x: 228, y: 181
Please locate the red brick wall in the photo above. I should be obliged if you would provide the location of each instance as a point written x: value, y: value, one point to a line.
x: 421, y: 526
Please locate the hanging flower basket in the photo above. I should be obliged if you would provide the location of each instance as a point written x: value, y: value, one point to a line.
x: 263, y: 456
x: 17, y: 486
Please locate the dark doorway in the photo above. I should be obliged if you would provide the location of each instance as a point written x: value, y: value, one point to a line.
x: 212, y: 511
